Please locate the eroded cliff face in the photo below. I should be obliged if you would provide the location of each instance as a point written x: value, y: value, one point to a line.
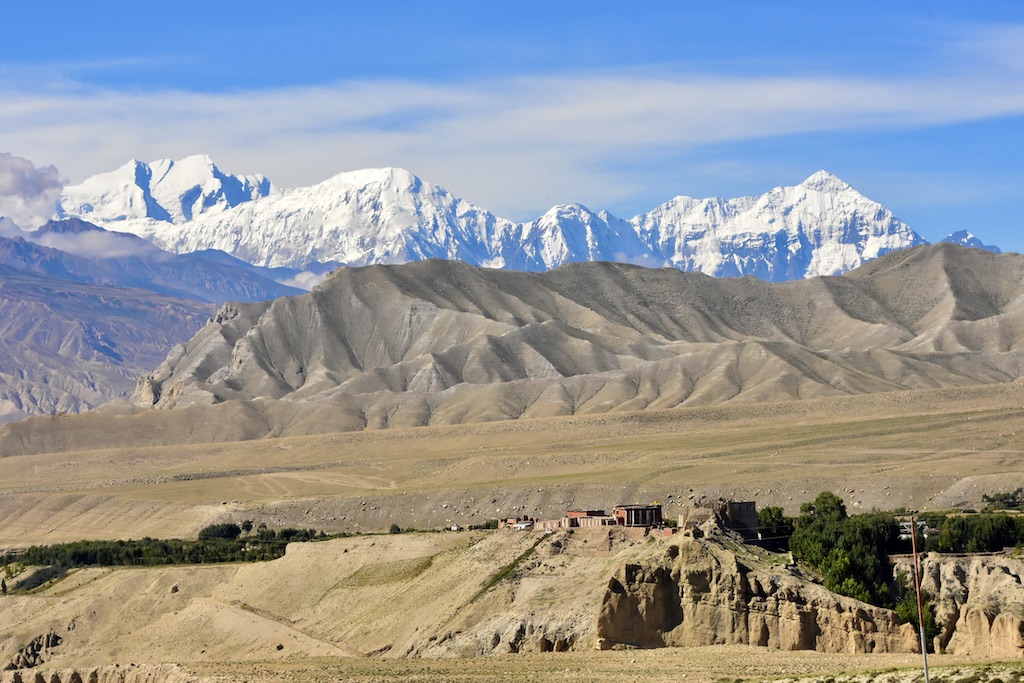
x: 699, y: 594
x: 166, y: 673
x: 979, y: 602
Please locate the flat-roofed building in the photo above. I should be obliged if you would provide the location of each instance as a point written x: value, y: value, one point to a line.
x: 638, y: 515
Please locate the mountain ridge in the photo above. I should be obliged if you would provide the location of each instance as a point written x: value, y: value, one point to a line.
x: 821, y: 226
x: 438, y: 342
x: 75, y: 250
x: 69, y: 346
x: 78, y: 324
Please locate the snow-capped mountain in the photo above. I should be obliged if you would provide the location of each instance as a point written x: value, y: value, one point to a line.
x: 968, y: 239
x: 819, y: 227
x: 572, y: 233
x: 162, y: 192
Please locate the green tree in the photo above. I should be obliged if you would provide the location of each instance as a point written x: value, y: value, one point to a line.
x: 229, y: 531
x: 850, y: 552
x: 980, y: 533
x: 817, y: 529
x: 827, y: 507
x: 906, y: 608
x: 774, y: 525
x: 395, y: 529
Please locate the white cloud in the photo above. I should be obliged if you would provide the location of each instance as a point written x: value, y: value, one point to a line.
x: 27, y: 194
x: 515, y: 146
x: 306, y: 280
x: 99, y: 244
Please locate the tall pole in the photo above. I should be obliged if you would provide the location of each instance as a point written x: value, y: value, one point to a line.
x: 920, y: 605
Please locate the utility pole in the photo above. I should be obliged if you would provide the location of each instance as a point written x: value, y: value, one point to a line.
x: 920, y: 605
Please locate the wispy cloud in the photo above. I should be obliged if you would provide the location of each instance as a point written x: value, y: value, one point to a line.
x: 515, y: 145
x: 100, y: 244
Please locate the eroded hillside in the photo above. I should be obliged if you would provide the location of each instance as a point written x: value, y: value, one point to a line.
x: 441, y: 342
x: 438, y: 595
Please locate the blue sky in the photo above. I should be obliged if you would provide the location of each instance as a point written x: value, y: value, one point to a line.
x: 519, y: 106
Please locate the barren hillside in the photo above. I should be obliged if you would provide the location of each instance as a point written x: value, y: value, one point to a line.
x: 440, y: 342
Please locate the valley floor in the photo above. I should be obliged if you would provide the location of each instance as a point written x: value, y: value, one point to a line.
x: 336, y: 606
x: 920, y: 450
x: 716, y: 664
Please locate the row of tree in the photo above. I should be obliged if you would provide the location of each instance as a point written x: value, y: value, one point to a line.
x: 852, y: 552
x: 217, y: 543
x: 978, y: 533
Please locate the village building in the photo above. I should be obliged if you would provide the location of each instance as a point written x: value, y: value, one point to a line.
x: 737, y: 516
x: 740, y: 516
x: 638, y: 515
x: 519, y: 523
x: 631, y: 516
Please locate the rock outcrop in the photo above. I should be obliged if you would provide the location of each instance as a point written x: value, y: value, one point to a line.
x: 166, y: 673
x: 507, y: 635
x: 699, y: 594
x: 979, y: 602
x: 35, y: 653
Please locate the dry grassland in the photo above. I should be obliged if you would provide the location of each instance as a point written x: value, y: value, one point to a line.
x: 924, y: 449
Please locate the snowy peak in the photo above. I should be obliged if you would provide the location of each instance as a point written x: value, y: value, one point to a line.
x: 363, y: 217
x: 823, y: 181
x: 388, y: 215
x: 194, y: 185
x: 821, y: 227
x: 164, y: 190
x: 968, y: 239
x: 572, y: 233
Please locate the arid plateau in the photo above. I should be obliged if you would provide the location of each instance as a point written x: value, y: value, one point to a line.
x: 382, y: 596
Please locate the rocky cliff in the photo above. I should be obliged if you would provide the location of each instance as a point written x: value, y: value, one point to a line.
x: 979, y: 602
x: 698, y: 593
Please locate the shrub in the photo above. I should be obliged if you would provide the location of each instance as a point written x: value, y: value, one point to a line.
x: 489, y: 524
x: 1014, y: 500
x: 229, y: 531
